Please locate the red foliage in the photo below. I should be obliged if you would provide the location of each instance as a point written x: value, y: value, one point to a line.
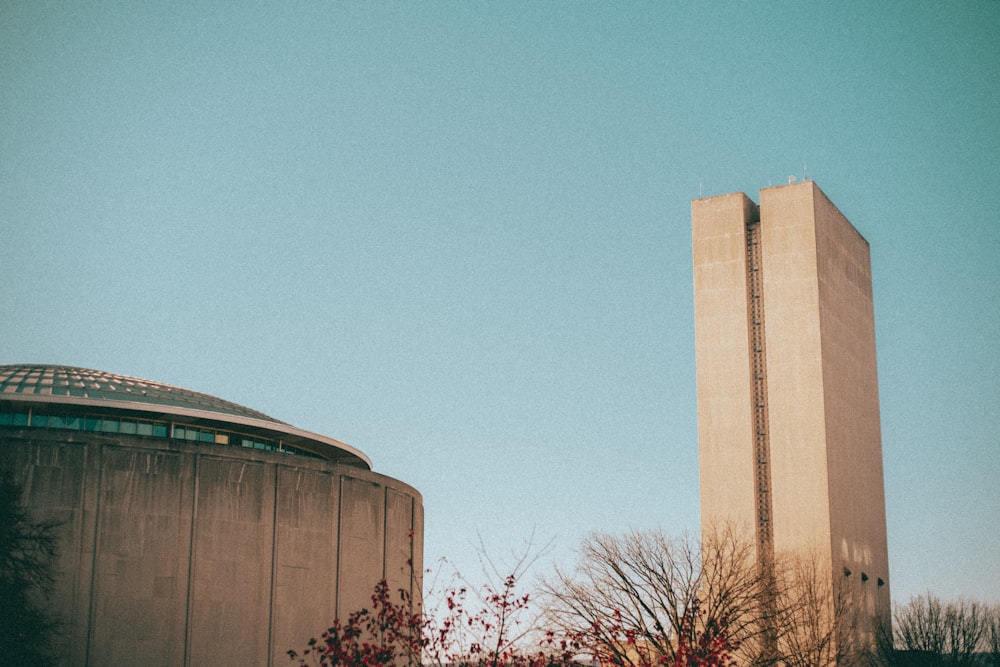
x: 388, y: 634
x: 697, y: 644
x: 707, y: 646
x: 391, y: 633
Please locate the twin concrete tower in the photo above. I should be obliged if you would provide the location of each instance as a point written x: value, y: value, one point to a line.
x: 788, y: 412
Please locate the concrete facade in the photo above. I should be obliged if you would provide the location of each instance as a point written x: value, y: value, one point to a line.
x: 175, y: 552
x: 788, y: 411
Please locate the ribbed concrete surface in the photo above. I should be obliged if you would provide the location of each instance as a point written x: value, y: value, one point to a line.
x: 181, y: 554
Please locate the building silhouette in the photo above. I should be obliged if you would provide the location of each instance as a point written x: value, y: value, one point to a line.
x: 192, y: 530
x: 788, y: 412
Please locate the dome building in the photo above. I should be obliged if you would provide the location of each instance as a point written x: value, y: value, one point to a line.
x: 192, y: 530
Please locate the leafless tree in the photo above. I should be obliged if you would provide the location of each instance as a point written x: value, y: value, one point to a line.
x: 818, y: 617
x: 633, y: 597
x: 920, y: 625
x: 993, y: 635
x: 638, y: 596
x: 957, y: 630
x: 966, y: 625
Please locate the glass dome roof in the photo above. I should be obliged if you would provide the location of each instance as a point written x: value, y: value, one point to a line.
x: 47, y: 380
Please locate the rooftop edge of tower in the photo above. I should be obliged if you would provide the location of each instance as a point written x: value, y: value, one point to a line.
x: 817, y: 194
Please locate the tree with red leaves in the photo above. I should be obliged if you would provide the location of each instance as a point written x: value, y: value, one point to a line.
x: 702, y: 644
x: 387, y: 634
x: 391, y: 632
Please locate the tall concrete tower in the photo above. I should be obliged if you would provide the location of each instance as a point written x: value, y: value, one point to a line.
x: 788, y: 415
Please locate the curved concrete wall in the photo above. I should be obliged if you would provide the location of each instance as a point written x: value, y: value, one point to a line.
x: 179, y: 554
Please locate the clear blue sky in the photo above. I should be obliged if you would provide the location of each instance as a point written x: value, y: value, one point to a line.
x: 457, y: 235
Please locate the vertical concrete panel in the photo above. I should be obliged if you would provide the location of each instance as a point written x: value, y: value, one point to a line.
x: 418, y: 550
x: 854, y: 450
x: 52, y: 476
x: 305, y: 559
x: 362, y: 546
x: 229, y: 614
x: 725, y: 420
x: 794, y: 369
x: 140, y: 584
x: 90, y: 507
x: 398, y: 541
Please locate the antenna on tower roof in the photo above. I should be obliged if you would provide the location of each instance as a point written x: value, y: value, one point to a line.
x: 804, y: 178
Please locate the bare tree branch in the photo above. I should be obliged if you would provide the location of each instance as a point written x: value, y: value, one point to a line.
x: 958, y: 630
x: 643, y: 594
